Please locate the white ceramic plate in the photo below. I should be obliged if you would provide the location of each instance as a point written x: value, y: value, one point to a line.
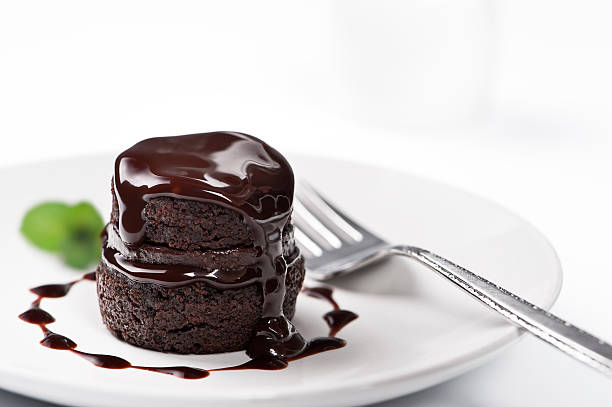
x: 414, y: 329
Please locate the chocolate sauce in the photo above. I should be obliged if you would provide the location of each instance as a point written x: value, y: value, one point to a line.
x: 314, y: 346
x: 37, y: 316
x: 173, y: 275
x: 59, y: 290
x: 231, y: 169
x: 57, y: 341
x: 337, y: 318
x: 324, y: 293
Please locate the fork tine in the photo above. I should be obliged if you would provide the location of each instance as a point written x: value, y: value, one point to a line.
x: 318, y: 224
x: 310, y: 248
x: 315, y: 203
x: 308, y: 222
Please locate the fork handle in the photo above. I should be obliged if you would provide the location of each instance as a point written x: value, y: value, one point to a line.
x: 546, y: 326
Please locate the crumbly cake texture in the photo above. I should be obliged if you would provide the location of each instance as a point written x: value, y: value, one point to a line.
x: 193, y: 318
x: 196, y: 317
x: 236, y: 257
x: 191, y: 225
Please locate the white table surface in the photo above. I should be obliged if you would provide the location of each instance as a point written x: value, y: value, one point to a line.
x: 543, y: 149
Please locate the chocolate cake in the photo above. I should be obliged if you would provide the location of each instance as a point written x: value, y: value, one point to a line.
x: 199, y: 255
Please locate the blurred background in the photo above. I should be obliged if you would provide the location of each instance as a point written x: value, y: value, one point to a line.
x: 508, y: 99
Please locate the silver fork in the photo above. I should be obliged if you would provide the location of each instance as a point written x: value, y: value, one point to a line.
x: 335, y: 244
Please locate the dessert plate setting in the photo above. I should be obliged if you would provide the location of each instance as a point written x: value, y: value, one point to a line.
x: 413, y: 329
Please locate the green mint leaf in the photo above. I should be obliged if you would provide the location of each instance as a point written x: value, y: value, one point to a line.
x: 83, y: 246
x: 45, y: 225
x: 84, y: 218
x: 80, y: 253
x: 73, y: 231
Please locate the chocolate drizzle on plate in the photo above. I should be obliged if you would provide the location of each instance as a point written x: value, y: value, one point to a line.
x: 337, y: 318
x: 38, y: 316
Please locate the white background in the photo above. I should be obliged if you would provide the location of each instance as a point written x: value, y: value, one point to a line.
x: 508, y: 99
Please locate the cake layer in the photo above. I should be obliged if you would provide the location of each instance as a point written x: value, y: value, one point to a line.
x: 190, y: 318
x: 191, y: 225
x: 206, y: 259
x: 233, y: 170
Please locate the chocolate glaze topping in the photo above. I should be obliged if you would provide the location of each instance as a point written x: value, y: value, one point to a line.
x: 175, y: 274
x: 231, y: 169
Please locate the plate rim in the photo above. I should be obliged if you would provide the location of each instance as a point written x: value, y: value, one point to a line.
x: 10, y: 379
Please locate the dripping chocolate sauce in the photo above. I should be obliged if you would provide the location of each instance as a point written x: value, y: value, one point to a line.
x: 337, y: 318
x: 36, y: 315
x: 230, y: 169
